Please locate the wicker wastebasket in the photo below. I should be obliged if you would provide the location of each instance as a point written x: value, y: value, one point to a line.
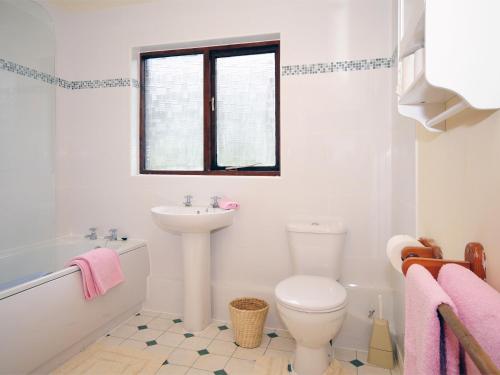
x: 248, y: 316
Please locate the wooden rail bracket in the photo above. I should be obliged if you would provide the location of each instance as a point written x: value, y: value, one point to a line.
x: 432, y: 265
x: 431, y: 257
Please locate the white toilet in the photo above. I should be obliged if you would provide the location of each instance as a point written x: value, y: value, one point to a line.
x: 312, y: 303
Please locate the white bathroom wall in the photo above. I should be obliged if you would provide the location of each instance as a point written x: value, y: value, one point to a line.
x: 403, y: 193
x: 403, y: 203
x: 336, y: 142
x: 27, y: 124
x: 458, y: 185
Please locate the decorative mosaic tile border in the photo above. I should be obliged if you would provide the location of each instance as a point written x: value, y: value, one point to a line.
x: 28, y: 72
x: 101, y: 83
x: 338, y: 66
x: 71, y: 85
x: 286, y: 70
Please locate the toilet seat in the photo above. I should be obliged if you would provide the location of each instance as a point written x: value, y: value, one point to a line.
x: 312, y: 294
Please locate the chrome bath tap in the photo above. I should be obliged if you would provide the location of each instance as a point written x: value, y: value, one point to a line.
x: 92, y: 235
x: 112, y: 235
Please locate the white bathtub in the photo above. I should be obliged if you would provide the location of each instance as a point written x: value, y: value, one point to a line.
x: 46, y: 320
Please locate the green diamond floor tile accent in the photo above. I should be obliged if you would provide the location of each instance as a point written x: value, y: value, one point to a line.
x: 223, y: 328
x: 272, y: 335
x: 151, y: 343
x: 165, y: 363
x: 289, y: 368
x: 203, y: 352
x: 357, y: 363
x: 137, y: 314
x: 107, y: 335
x: 142, y: 327
x: 220, y: 372
x: 188, y: 335
x: 177, y: 321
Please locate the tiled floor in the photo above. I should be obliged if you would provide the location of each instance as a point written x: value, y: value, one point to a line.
x: 213, y: 351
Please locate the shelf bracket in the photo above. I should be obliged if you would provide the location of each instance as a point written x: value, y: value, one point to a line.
x: 443, y: 116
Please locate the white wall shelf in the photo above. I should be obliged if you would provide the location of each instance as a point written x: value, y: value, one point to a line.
x: 421, y: 91
x: 413, y: 40
x: 457, y: 60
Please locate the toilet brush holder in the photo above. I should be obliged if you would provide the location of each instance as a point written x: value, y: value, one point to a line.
x: 381, y: 351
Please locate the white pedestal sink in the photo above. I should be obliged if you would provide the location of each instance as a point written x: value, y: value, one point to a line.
x: 194, y: 224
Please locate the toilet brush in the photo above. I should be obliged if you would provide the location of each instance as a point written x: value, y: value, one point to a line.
x: 381, y: 352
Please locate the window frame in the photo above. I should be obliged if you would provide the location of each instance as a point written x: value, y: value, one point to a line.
x: 209, y: 117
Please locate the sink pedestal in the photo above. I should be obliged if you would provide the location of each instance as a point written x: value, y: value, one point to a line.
x: 195, y: 225
x: 197, y: 281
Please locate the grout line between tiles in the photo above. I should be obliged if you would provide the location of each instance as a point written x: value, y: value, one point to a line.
x: 210, y: 340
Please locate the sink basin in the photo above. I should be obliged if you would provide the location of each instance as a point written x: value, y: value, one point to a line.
x: 194, y: 224
x: 191, y: 219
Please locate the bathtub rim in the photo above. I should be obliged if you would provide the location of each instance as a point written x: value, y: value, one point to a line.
x: 131, y: 245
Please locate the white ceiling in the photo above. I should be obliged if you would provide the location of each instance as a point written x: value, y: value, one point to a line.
x: 78, y: 5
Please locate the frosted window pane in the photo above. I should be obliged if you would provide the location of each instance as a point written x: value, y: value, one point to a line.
x: 174, y: 113
x: 245, y: 110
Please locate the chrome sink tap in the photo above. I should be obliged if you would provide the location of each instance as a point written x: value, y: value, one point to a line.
x: 215, y: 201
x: 92, y: 235
x: 187, y: 202
x: 112, y: 235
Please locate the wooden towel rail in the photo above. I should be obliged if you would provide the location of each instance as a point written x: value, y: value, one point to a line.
x: 430, y: 256
x: 480, y: 358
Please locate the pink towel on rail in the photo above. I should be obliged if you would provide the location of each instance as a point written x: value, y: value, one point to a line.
x: 424, y: 336
x: 478, y: 306
x: 101, y: 271
x: 227, y: 204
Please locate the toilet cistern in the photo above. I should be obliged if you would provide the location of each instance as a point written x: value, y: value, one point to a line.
x: 312, y: 303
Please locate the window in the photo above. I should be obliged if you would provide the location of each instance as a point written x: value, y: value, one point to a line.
x: 211, y: 110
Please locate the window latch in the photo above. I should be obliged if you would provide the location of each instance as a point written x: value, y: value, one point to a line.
x: 213, y: 103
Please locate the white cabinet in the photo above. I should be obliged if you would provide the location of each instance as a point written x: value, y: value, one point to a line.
x: 448, y: 49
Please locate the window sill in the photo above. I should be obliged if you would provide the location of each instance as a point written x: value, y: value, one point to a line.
x: 214, y: 173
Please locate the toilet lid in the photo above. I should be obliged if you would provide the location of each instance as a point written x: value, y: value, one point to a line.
x: 311, y: 293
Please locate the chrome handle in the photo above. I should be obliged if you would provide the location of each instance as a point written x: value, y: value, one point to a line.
x: 188, y: 198
x: 93, y: 234
x: 112, y: 234
x: 215, y: 201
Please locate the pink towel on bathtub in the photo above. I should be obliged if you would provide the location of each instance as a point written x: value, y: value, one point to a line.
x: 101, y: 271
x: 478, y: 306
x: 227, y: 204
x: 429, y: 348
